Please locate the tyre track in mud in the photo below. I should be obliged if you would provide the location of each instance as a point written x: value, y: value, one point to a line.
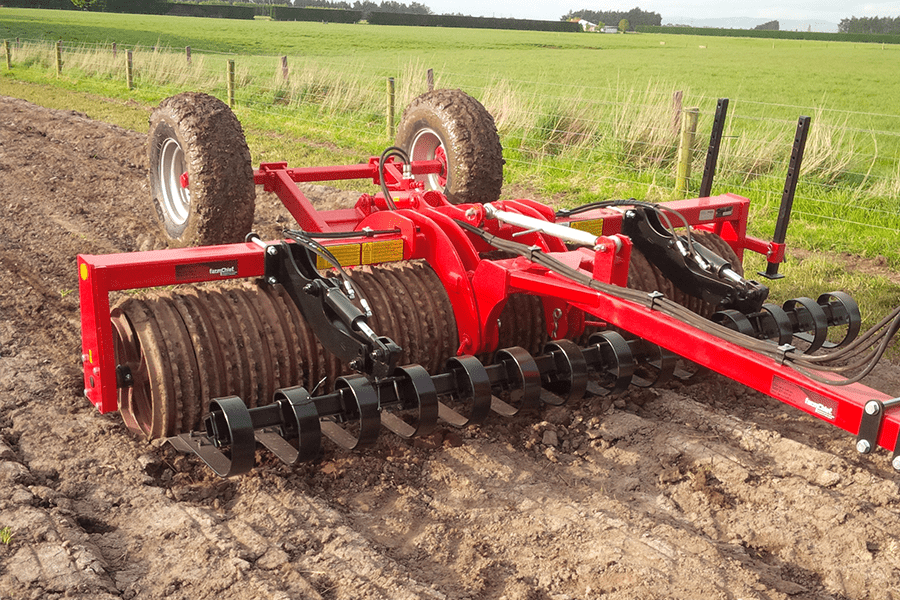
x: 708, y: 490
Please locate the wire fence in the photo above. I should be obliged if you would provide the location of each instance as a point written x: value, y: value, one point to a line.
x: 572, y: 139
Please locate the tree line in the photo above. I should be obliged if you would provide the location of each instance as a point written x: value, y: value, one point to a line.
x: 888, y: 25
x: 635, y: 17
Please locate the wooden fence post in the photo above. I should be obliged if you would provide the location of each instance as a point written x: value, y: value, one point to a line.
x: 284, y: 68
x: 187, y: 51
x: 685, y: 151
x: 8, y: 55
x: 129, y: 70
x: 231, y: 83
x: 430, y: 80
x: 115, y: 49
x: 676, y: 112
x: 390, y: 107
x: 58, y: 58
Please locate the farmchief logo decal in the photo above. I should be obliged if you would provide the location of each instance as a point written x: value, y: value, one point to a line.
x: 203, y: 271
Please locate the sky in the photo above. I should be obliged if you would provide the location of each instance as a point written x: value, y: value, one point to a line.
x: 808, y: 10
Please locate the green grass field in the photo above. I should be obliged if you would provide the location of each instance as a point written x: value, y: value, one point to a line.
x: 582, y: 116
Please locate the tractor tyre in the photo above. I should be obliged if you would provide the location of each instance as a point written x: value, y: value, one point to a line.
x: 196, y: 139
x: 451, y: 126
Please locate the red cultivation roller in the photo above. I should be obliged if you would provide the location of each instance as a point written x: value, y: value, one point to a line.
x: 432, y: 301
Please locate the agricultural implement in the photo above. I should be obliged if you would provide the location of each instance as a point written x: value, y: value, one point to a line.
x: 433, y: 302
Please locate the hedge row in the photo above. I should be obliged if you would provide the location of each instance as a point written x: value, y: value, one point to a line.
x: 382, y: 18
x: 217, y: 11
x: 332, y: 15
x: 783, y: 35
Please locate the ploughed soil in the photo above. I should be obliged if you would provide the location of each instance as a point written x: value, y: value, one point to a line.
x: 702, y: 490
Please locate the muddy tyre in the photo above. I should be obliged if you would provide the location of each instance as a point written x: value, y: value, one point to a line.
x: 452, y: 126
x: 198, y: 135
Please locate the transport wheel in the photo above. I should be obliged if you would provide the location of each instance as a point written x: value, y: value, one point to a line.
x: 453, y: 127
x: 201, y: 177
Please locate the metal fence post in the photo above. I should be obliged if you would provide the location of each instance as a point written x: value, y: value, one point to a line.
x: 685, y: 151
x: 390, y: 107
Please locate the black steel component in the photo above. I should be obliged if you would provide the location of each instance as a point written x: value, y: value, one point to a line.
x: 298, y: 436
x: 569, y: 377
x: 812, y: 322
x: 611, y: 355
x: 414, y: 388
x: 339, y: 325
x: 364, y: 412
x: 521, y: 377
x: 787, y: 196
x: 735, y: 320
x: 228, y: 424
x: 841, y: 309
x: 777, y: 326
x: 655, y: 365
x: 124, y: 378
x: 712, y: 153
x: 470, y: 384
x: 717, y: 283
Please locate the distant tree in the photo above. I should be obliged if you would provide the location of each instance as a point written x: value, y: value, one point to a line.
x: 623, y: 25
x: 84, y: 4
x: 770, y: 26
x: 636, y: 17
x: 889, y: 25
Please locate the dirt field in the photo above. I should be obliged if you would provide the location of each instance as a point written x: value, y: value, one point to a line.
x: 700, y: 491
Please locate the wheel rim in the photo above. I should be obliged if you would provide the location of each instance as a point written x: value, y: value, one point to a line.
x: 427, y: 145
x: 176, y: 199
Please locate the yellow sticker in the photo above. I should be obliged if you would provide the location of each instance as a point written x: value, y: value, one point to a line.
x: 379, y: 252
x: 84, y: 271
x: 592, y: 226
x: 346, y: 254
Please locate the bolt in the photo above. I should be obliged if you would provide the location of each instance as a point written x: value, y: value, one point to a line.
x: 872, y: 408
x: 601, y: 248
x: 863, y: 446
x: 84, y: 358
x: 97, y: 371
x: 271, y: 250
x: 309, y: 288
x: 896, y: 463
x: 272, y: 281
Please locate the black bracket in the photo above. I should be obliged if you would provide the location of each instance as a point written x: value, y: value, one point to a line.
x: 870, y: 428
x: 713, y: 284
x: 327, y: 306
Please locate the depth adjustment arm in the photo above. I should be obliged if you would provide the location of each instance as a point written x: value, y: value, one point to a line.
x: 699, y: 273
x: 341, y: 327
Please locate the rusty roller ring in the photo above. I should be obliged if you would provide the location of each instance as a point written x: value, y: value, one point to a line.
x: 569, y: 379
x: 301, y: 432
x: 413, y: 381
x: 616, y: 358
x: 814, y: 321
x: 782, y: 325
x: 366, y: 412
x: 851, y: 309
x: 473, y: 384
x: 524, y: 378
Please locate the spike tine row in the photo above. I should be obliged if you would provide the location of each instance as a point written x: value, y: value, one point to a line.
x: 352, y: 415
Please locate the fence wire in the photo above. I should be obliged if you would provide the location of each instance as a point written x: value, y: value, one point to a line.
x: 603, y: 137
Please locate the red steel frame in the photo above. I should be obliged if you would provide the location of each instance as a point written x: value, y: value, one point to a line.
x: 425, y: 224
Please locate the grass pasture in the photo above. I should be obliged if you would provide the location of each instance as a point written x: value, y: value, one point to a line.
x: 582, y: 116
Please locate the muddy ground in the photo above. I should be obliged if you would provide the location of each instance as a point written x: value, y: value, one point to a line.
x: 690, y: 491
